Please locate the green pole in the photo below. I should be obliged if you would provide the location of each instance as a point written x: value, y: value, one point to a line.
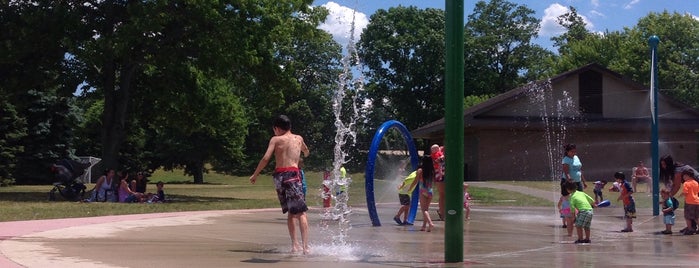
x: 454, y: 132
x: 653, y: 42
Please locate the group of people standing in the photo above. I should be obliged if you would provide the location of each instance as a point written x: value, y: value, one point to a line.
x: 113, y: 187
x: 430, y: 173
x: 676, y: 175
x: 576, y: 206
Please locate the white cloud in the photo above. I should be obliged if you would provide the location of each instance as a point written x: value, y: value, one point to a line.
x: 595, y: 3
x: 339, y: 22
x: 549, y: 25
x: 631, y: 4
x: 595, y: 13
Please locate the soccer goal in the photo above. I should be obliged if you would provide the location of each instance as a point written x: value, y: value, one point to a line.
x: 87, y: 176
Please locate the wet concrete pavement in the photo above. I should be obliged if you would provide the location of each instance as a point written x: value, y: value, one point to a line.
x: 494, y: 237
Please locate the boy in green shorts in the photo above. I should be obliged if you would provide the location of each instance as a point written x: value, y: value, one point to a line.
x: 581, y: 207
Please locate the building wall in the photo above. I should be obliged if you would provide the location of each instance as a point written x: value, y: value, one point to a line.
x: 621, y: 102
x: 540, y: 100
x: 528, y: 155
x: 520, y: 135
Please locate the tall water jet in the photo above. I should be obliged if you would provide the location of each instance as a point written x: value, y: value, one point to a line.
x: 554, y: 116
x: 556, y: 112
x: 347, y: 88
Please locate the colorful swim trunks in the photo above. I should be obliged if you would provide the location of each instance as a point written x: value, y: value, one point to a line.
x: 289, y: 187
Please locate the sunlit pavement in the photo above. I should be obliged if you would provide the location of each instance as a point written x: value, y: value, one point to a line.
x: 495, y: 237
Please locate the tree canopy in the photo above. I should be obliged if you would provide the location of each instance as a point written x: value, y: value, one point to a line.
x: 194, y: 86
x: 403, y: 50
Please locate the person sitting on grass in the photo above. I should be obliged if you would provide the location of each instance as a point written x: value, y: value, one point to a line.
x: 158, y: 197
x: 104, y: 187
x: 160, y: 193
x: 126, y: 195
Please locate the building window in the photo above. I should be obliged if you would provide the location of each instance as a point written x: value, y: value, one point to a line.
x: 590, y: 85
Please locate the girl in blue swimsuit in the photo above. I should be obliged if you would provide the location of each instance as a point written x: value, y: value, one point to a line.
x: 425, y: 174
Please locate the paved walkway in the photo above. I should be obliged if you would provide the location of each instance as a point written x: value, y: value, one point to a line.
x: 495, y: 237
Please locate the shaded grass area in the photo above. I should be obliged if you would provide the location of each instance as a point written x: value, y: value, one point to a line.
x: 220, y: 192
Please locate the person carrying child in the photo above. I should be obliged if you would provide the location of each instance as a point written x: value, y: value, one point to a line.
x: 581, y: 207
x: 599, y: 187
x: 627, y: 199
x: 669, y: 205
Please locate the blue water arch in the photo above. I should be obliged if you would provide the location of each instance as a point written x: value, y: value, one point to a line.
x: 369, y: 174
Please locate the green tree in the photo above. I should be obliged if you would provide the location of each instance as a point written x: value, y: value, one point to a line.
x: 313, y: 58
x: 50, y: 123
x: 207, y: 126
x: 403, y: 50
x: 604, y: 49
x: 678, y: 54
x: 157, y: 52
x: 628, y: 53
x: 575, y: 30
x: 38, y: 81
x: 499, y: 52
x: 12, y: 129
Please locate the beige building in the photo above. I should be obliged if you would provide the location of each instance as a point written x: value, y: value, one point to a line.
x: 519, y: 135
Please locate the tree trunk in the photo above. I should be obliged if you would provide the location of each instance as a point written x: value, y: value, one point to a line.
x: 116, y: 99
x: 198, y: 173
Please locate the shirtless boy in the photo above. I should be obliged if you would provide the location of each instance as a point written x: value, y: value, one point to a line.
x: 287, y: 148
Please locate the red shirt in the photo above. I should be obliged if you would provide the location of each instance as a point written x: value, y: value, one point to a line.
x: 438, y: 164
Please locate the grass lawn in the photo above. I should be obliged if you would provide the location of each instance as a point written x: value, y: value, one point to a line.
x: 643, y: 199
x: 222, y: 192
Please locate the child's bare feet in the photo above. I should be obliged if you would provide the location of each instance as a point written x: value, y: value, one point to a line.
x: 295, y: 248
x: 306, y: 251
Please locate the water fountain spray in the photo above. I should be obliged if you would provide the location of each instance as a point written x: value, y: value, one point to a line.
x: 339, y: 185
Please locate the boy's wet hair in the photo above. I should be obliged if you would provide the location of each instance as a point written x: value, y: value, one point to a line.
x: 620, y: 175
x: 282, y: 122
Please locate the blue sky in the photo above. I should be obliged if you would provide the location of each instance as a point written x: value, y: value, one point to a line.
x: 600, y: 15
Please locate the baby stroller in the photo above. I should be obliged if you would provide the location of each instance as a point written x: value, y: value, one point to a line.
x: 66, y: 172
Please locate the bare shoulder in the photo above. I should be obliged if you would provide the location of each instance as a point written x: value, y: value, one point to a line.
x: 274, y: 139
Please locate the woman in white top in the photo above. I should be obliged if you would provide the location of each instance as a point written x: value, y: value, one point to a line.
x: 104, y: 185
